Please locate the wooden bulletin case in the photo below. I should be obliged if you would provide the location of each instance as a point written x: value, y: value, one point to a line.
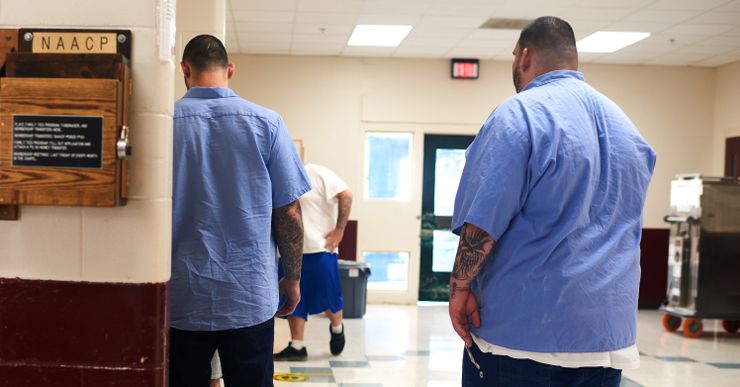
x: 64, y: 101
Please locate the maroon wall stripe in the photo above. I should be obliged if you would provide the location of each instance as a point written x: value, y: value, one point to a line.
x: 55, y: 333
x: 654, y: 265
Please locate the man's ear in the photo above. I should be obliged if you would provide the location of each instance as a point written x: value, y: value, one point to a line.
x: 230, y: 71
x: 525, y: 60
x: 185, y: 69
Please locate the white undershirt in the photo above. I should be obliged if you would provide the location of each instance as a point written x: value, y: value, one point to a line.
x: 319, y: 207
x: 625, y: 358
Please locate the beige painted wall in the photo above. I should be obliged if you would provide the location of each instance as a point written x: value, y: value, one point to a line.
x: 123, y: 244
x: 195, y: 17
x: 330, y: 102
x: 726, y: 112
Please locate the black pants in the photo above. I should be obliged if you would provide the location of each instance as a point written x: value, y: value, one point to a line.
x: 246, y: 356
x: 504, y: 371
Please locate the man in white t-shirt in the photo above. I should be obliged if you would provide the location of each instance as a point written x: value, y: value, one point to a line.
x: 325, y: 213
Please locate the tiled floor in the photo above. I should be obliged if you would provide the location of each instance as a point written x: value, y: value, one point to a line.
x: 415, y: 346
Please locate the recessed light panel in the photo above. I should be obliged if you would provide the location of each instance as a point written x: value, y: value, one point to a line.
x: 609, y: 41
x: 372, y: 35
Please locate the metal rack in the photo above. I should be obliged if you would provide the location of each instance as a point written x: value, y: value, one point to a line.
x: 703, y: 254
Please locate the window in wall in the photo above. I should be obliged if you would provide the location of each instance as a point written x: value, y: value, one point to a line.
x: 389, y: 270
x: 448, y: 168
x: 388, y: 165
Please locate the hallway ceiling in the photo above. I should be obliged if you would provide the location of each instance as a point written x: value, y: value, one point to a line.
x: 684, y: 32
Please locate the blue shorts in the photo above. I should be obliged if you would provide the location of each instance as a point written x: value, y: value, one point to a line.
x: 320, y: 286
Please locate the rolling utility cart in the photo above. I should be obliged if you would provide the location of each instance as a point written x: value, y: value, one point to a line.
x: 703, y: 254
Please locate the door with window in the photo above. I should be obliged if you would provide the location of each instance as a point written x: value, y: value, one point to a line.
x: 444, y: 159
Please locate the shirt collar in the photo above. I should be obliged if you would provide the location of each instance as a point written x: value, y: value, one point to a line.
x: 209, y: 92
x: 553, y: 76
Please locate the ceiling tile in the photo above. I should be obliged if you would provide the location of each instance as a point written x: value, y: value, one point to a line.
x: 664, y: 16
x: 732, y: 32
x: 694, y: 5
x: 510, y: 36
x: 698, y: 29
x: 457, y: 22
x: 413, y: 7
x: 330, y: 40
x: 594, y: 14
x: 282, y: 47
x: 491, y: 44
x: 628, y: 26
x: 677, y: 59
x: 285, y: 28
x: 329, y: 6
x: 388, y: 18
x: 632, y: 4
x: 441, y: 32
x: 721, y: 40
x: 731, y: 18
x: 465, y: 9
x: 331, y: 18
x: 700, y: 49
x: 264, y: 5
x: 262, y: 37
x: 319, y: 29
x: 732, y: 6
x: 262, y: 17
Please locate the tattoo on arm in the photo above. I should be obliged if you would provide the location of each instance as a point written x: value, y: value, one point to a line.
x: 345, y: 204
x: 287, y: 227
x: 454, y: 288
x: 474, y: 247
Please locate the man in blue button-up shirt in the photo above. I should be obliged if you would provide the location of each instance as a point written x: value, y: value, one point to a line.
x: 549, y: 213
x: 236, y: 183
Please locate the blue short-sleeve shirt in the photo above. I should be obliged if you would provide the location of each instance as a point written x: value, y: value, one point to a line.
x: 233, y: 163
x: 557, y: 177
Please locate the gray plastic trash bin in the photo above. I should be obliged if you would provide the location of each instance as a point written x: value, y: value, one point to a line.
x: 353, y: 277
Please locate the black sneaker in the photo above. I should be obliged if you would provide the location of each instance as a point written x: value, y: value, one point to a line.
x: 336, y: 344
x: 291, y: 354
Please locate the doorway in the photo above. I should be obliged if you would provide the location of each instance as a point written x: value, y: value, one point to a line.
x: 444, y: 159
x: 732, y: 157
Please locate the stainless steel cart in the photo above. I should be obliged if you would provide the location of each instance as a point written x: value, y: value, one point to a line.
x: 703, y: 254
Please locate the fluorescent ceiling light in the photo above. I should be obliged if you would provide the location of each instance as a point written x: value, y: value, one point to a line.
x: 608, y: 41
x: 378, y: 35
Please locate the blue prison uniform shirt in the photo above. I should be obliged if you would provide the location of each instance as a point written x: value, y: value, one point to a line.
x: 557, y: 176
x: 233, y: 162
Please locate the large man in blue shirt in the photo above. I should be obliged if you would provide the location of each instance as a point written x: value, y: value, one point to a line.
x: 237, y: 180
x: 549, y: 213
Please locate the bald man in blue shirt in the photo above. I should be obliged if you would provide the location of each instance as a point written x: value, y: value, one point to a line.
x: 549, y: 212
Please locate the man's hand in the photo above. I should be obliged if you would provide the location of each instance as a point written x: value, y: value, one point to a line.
x: 333, y: 238
x: 292, y: 291
x: 474, y: 247
x: 463, y: 310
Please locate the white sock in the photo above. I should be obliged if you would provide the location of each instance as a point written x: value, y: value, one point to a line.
x: 297, y: 344
x: 337, y: 329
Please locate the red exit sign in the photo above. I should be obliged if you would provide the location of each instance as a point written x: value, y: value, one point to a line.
x: 464, y: 68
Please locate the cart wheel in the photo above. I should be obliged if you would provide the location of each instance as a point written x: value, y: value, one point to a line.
x: 693, y: 327
x: 731, y: 326
x: 671, y: 323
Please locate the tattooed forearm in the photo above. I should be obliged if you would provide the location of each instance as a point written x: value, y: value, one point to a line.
x: 345, y: 204
x: 287, y: 226
x: 475, y: 245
